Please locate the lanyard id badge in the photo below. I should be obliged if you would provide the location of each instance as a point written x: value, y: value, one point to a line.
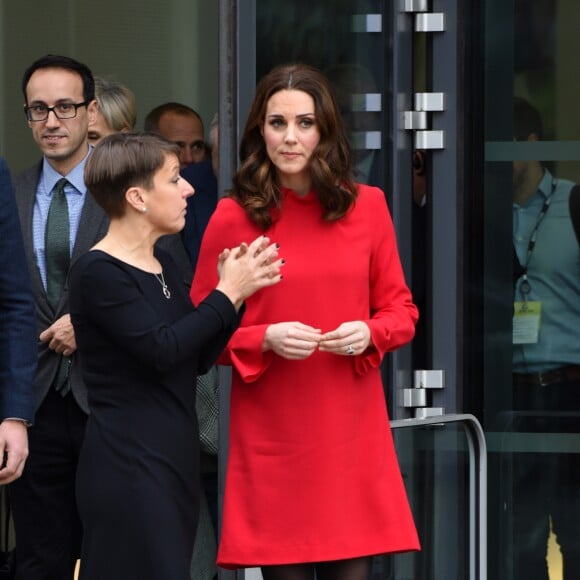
x: 527, y: 313
x: 526, y: 322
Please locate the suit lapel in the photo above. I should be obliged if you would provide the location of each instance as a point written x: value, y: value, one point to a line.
x: 25, y: 188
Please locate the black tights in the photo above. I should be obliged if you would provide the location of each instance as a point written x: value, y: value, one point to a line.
x: 354, y: 569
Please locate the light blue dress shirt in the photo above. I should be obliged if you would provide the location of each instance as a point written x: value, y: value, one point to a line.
x: 75, y: 192
x: 554, y: 277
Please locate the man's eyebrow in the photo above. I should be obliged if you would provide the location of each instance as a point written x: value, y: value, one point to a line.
x: 66, y: 100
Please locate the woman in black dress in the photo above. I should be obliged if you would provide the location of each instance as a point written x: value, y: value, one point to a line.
x: 142, y: 344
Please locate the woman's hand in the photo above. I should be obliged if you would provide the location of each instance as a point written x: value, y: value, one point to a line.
x: 248, y: 268
x: 291, y: 340
x: 350, y: 338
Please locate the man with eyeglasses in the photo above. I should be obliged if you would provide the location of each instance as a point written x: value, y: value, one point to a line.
x: 60, y: 221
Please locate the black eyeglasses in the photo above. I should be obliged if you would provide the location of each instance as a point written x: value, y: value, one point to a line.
x: 61, y: 111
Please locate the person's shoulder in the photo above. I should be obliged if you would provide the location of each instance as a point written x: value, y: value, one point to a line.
x: 28, y: 176
x: 233, y: 218
x: 371, y: 208
x: 5, y: 179
x: 94, y: 260
x: 197, y: 171
x: 230, y: 224
x: 91, y: 259
x: 98, y: 269
x: 369, y: 191
x: 228, y: 207
x: 564, y: 186
x: 201, y: 177
x: 370, y: 196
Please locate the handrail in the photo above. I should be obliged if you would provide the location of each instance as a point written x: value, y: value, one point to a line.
x: 477, y: 485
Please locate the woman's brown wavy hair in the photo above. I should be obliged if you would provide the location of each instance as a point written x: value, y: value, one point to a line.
x: 256, y: 186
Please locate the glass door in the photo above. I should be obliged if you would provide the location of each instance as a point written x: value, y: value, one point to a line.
x: 531, y: 286
x: 404, y: 117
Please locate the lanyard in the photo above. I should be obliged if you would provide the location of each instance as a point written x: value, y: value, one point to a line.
x: 525, y: 285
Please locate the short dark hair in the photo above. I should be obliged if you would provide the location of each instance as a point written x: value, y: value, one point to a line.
x: 152, y: 119
x: 66, y: 63
x: 121, y: 161
x: 527, y: 120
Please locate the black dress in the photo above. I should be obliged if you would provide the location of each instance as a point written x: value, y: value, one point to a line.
x: 138, y: 474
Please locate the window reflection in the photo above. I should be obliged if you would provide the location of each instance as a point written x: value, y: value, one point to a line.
x: 532, y: 290
x: 546, y: 358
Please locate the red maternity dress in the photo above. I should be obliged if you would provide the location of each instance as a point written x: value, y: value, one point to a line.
x: 312, y: 472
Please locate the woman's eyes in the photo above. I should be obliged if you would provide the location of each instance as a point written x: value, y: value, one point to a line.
x: 304, y: 123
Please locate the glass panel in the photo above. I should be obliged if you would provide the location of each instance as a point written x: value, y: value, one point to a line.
x: 344, y: 39
x: 531, y: 287
x: 435, y: 462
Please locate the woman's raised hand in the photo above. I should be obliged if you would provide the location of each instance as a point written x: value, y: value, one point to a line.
x: 247, y: 268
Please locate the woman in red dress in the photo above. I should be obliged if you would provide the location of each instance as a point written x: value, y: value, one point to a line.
x: 313, y: 484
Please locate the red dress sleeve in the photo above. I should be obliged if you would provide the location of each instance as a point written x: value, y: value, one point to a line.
x: 392, y: 313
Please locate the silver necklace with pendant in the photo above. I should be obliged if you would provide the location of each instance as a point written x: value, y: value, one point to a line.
x: 164, y: 287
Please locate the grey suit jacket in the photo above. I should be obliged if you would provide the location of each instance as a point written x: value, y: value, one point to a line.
x: 92, y: 227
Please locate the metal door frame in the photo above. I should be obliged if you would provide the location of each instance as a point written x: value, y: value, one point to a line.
x: 443, y: 194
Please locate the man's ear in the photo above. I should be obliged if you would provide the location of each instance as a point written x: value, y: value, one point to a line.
x: 92, y: 108
x: 29, y: 122
x: 419, y: 162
